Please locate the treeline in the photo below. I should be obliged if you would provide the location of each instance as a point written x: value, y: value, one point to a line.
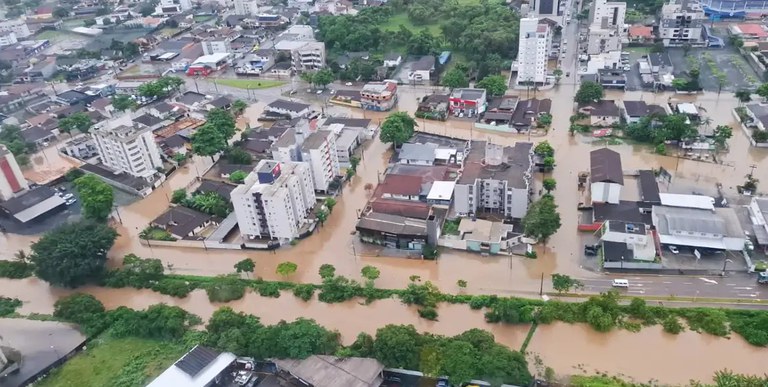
x: 469, y: 355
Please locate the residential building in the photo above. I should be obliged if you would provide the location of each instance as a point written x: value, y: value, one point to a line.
x: 170, y: 7
x: 758, y: 112
x: 758, y: 214
x: 612, y: 78
x: 496, y: 180
x: 379, y: 96
x: 634, y: 111
x: 8, y: 38
x: 602, y: 113
x: 17, y: 26
x: 126, y: 148
x: 601, y: 40
x: 421, y: 70
x: 640, y: 34
x: 681, y: 22
x: 31, y: 204
x: 12, y: 181
x: 553, y: 10
x: 606, y: 176
x: 469, y: 102
x: 417, y: 154
x: 660, y: 63
x: 287, y: 108
x: 211, y: 47
x: 325, y: 370
x: 398, y: 231
x: 306, y: 55
x: 486, y: 237
x: 535, y: 40
x: 82, y: 147
x: 606, y: 29
x: 526, y: 113
x: 246, y: 7
x: 183, y: 222
x: 319, y: 151
x: 698, y: 228
x: 275, y: 200
x: 625, y: 244
x: 347, y: 141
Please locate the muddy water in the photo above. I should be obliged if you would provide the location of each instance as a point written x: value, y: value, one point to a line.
x: 669, y: 360
x: 618, y: 352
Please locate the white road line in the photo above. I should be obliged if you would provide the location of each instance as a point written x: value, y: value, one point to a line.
x: 747, y: 295
x: 636, y: 291
x: 687, y: 283
x: 744, y: 288
x: 666, y: 282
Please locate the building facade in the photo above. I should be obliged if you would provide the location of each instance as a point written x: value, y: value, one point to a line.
x: 246, y: 7
x: 607, y: 27
x: 211, y: 47
x: 319, y: 152
x: 681, y: 22
x: 126, y: 148
x: 535, y: 40
x: 275, y: 200
x: 17, y: 26
x: 379, y: 96
x: 12, y: 181
x: 169, y: 7
x: 306, y: 55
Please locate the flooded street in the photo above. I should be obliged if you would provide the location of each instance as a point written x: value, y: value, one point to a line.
x: 617, y: 352
x: 645, y: 355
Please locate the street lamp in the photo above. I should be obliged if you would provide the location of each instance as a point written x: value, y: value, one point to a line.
x: 725, y: 263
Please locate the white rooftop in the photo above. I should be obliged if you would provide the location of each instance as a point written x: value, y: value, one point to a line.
x: 688, y: 201
x: 441, y: 190
x: 687, y: 108
x: 213, y: 58
x: 175, y: 377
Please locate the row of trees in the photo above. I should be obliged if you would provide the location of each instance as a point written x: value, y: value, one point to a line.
x: 160, y: 88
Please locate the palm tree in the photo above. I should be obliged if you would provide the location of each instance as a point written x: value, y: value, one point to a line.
x: 743, y: 96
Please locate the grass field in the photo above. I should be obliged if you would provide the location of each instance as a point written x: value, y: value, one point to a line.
x: 115, y: 362
x: 393, y: 24
x: 55, y: 36
x: 250, y: 83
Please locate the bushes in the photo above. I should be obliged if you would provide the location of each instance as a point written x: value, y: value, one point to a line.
x: 136, y: 272
x: 304, y: 291
x: 752, y: 325
x: 428, y: 312
x: 225, y: 289
x: 173, y: 287
x: 159, y: 321
x: 84, y: 310
x: 16, y: 269
x: 338, y: 289
x: 8, y: 306
x: 269, y: 289
x: 671, y: 324
x: 712, y: 321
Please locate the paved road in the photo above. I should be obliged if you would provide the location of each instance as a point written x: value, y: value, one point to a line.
x: 734, y: 285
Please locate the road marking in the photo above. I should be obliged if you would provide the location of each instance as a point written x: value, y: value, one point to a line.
x: 747, y: 295
x: 744, y: 288
x: 666, y: 282
x: 687, y: 283
x: 709, y: 281
x: 636, y: 291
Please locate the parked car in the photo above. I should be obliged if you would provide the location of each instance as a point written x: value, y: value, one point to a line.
x: 674, y: 249
x: 748, y: 245
x: 68, y: 196
x: 70, y: 201
x: 61, y: 188
x: 319, y: 92
x: 762, y: 278
x: 348, y: 84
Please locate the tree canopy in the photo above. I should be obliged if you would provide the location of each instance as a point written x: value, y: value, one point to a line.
x: 123, y: 102
x: 96, y: 196
x: 208, y: 141
x: 79, y: 121
x: 73, y: 254
x: 286, y: 269
x: 160, y: 88
x: 542, y: 219
x: 563, y: 283
x: 455, y: 78
x: 494, y: 85
x: 589, y: 92
x: 397, y: 128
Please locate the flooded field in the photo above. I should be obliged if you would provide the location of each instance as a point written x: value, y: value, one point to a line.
x: 569, y: 349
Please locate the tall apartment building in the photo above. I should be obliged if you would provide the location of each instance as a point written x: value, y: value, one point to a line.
x: 535, y: 40
x: 606, y: 28
x: 12, y: 182
x: 211, y: 47
x: 170, y: 7
x: 319, y: 151
x: 550, y: 9
x: 126, y: 148
x: 275, y: 200
x: 17, y: 26
x: 306, y: 55
x: 246, y: 7
x: 496, y: 180
x: 681, y: 22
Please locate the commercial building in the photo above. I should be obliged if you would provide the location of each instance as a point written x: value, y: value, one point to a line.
x: 246, y: 7
x: 275, y: 200
x: 170, y: 7
x: 12, y: 181
x: 717, y: 229
x: 379, y: 96
x: 469, y: 102
x: 496, y: 180
x: 17, y: 26
x: 306, y: 55
x: 758, y: 214
x: 211, y: 47
x: 606, y: 176
x: 32, y: 204
x: 319, y: 151
x: 126, y: 148
x: 682, y: 22
x: 535, y: 40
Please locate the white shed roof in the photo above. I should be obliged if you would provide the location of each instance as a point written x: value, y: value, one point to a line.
x: 688, y: 201
x: 213, y: 58
x: 687, y: 108
x: 441, y: 190
x: 174, y: 376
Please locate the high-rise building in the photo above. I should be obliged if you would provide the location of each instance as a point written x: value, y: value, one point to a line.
x: 319, y: 151
x: 550, y: 9
x: 275, y: 200
x: 246, y: 7
x: 535, y: 40
x: 12, y: 182
x: 681, y: 22
x: 606, y: 29
x: 126, y: 148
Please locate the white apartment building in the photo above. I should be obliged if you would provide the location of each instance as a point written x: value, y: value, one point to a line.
x: 607, y: 27
x: 211, y: 47
x: 8, y: 38
x: 554, y: 10
x: 246, y: 7
x: 319, y: 151
x: 125, y: 148
x: 17, y: 26
x: 305, y: 55
x: 170, y: 7
x: 12, y: 181
x: 682, y: 21
x: 275, y: 200
x: 535, y: 40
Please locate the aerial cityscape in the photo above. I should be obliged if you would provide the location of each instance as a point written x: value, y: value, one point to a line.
x: 383, y: 193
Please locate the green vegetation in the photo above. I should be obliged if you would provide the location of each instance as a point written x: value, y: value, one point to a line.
x: 589, y: 92
x: 451, y: 227
x: 97, y: 197
x: 250, y: 83
x: 397, y: 128
x: 656, y: 130
x: 210, y: 203
x: 225, y: 288
x: 8, y: 306
x: 156, y: 234
x: 563, y: 283
x: 160, y: 88
x: 16, y: 269
x: 10, y: 136
x: 542, y: 219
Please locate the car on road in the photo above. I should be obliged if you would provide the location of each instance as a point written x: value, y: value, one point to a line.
x: 674, y: 249
x: 319, y: 92
x: 292, y: 92
x: 70, y: 201
x: 762, y: 278
x: 61, y: 188
x: 620, y: 283
x: 68, y: 196
x: 348, y: 84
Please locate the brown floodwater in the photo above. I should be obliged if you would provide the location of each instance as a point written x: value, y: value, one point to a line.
x: 569, y: 349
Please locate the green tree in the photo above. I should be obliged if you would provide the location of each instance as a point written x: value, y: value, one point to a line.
x: 494, y: 85
x: 330, y: 203
x: 323, y: 77
x: 563, y: 283
x: 123, y: 102
x: 542, y: 219
x: 549, y: 184
x: 397, y: 346
x: 89, y: 22
x: 743, y: 95
x: 354, y: 161
x: 238, y: 107
x: 286, y: 269
x: 371, y: 273
x: 327, y: 271
x: 237, y: 177
x: 544, y: 149
x: 245, y: 266
x: 223, y: 121
x: 60, y: 12
x: 762, y: 90
x: 721, y: 135
x: 147, y: 9
x: 322, y: 215
x: 209, y: 202
x: 544, y: 120
x: 208, y: 141
x: 589, y: 92
x: 78, y: 121
x: 73, y: 254
x: 82, y: 309
x: 454, y: 78
x: 397, y: 128
x: 308, y: 77
x: 558, y: 75
x: 232, y: 331
x: 461, y: 284
x: 459, y: 362
x: 96, y: 196
x: 179, y: 196
x: 238, y: 156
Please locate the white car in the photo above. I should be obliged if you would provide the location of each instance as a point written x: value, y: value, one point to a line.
x: 348, y: 84
x: 70, y: 201
x: 68, y: 196
x: 748, y: 245
x: 674, y: 250
x: 319, y: 92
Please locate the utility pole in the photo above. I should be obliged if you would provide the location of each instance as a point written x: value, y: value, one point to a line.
x: 541, y: 287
